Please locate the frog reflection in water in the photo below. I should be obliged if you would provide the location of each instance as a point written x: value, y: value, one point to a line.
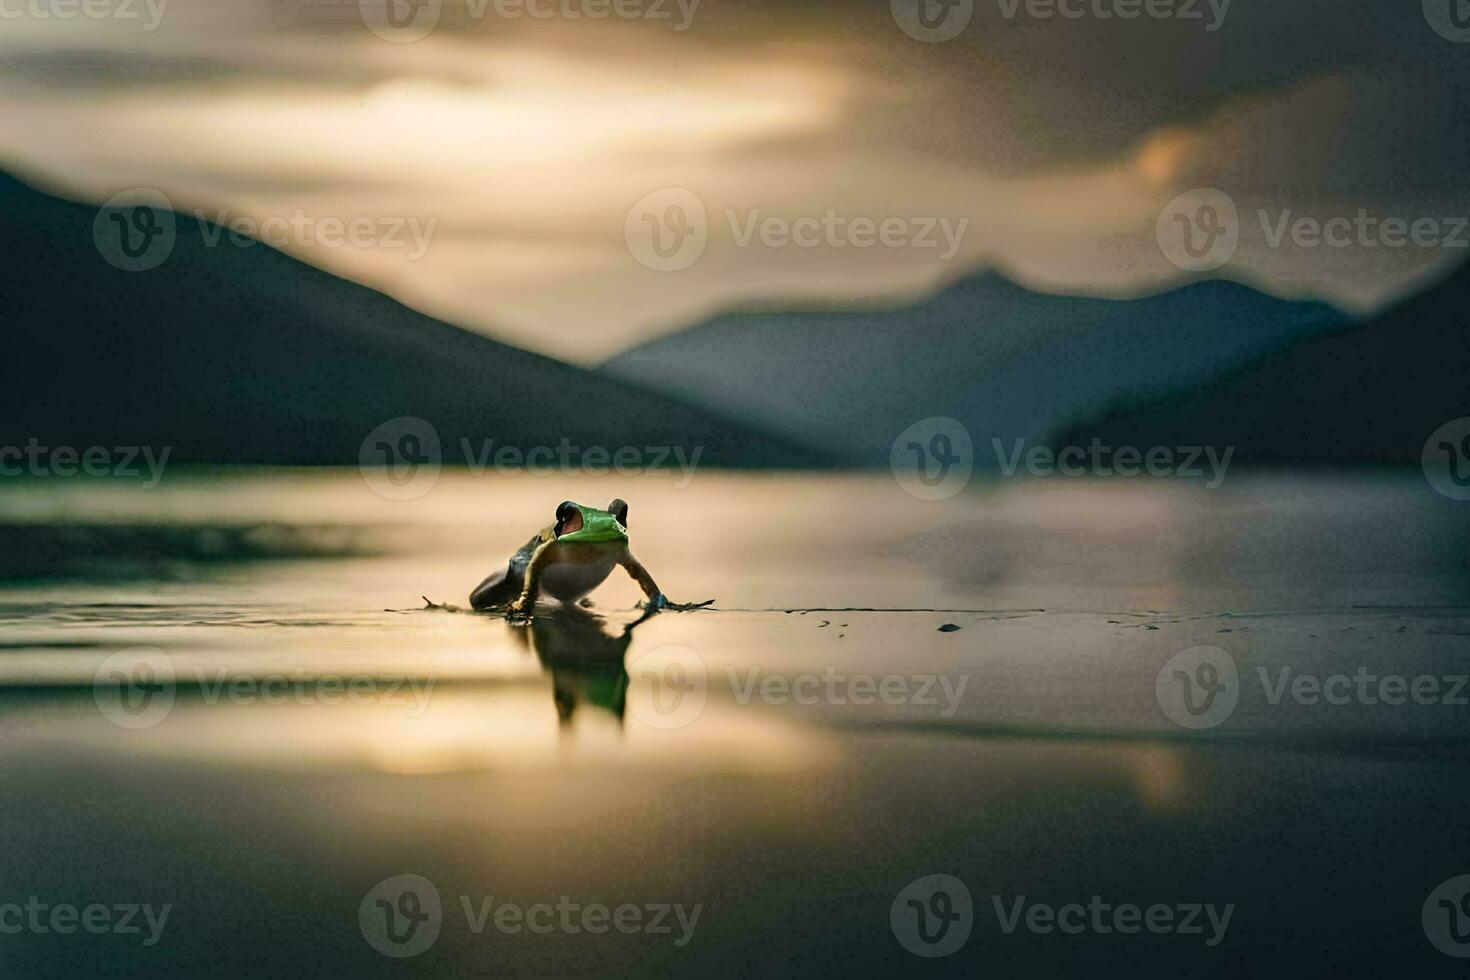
x: 567, y: 560
x: 584, y: 660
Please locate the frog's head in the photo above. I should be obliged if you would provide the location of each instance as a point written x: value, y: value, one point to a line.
x: 574, y: 522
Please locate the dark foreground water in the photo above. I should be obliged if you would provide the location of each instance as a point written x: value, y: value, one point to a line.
x: 1178, y: 730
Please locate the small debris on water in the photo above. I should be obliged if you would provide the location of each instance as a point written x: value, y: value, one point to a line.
x: 949, y: 628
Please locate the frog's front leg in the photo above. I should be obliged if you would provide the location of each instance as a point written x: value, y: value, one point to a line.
x: 527, y: 601
x: 656, y: 598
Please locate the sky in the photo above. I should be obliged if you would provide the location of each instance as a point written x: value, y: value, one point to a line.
x: 579, y: 176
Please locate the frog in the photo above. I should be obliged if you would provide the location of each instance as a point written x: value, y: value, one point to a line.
x: 566, y: 560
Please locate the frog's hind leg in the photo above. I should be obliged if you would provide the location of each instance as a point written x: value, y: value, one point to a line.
x: 504, y: 586
x: 500, y: 588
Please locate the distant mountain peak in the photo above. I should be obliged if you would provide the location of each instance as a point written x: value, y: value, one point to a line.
x: 233, y: 354
x: 1005, y: 360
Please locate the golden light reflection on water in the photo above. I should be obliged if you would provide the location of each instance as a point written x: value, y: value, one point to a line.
x: 506, y: 729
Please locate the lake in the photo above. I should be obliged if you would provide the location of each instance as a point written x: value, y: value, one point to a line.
x: 1177, y: 729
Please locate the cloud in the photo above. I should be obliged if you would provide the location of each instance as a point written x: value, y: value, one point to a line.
x: 1057, y: 143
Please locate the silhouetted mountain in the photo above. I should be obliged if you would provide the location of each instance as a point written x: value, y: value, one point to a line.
x: 1007, y: 362
x: 1371, y: 392
x: 244, y: 354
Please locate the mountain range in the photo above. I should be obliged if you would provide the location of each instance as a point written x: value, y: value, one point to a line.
x: 240, y: 354
x: 1007, y: 362
x: 226, y: 353
x: 1370, y: 392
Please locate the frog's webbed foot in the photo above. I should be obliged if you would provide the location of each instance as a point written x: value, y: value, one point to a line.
x: 520, y: 610
x: 661, y: 602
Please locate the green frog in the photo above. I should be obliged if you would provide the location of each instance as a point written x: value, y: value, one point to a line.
x: 567, y: 560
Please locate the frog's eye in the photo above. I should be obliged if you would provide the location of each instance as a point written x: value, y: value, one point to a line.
x: 619, y: 509
x: 568, y: 518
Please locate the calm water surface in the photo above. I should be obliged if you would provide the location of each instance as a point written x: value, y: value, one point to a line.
x: 788, y: 761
